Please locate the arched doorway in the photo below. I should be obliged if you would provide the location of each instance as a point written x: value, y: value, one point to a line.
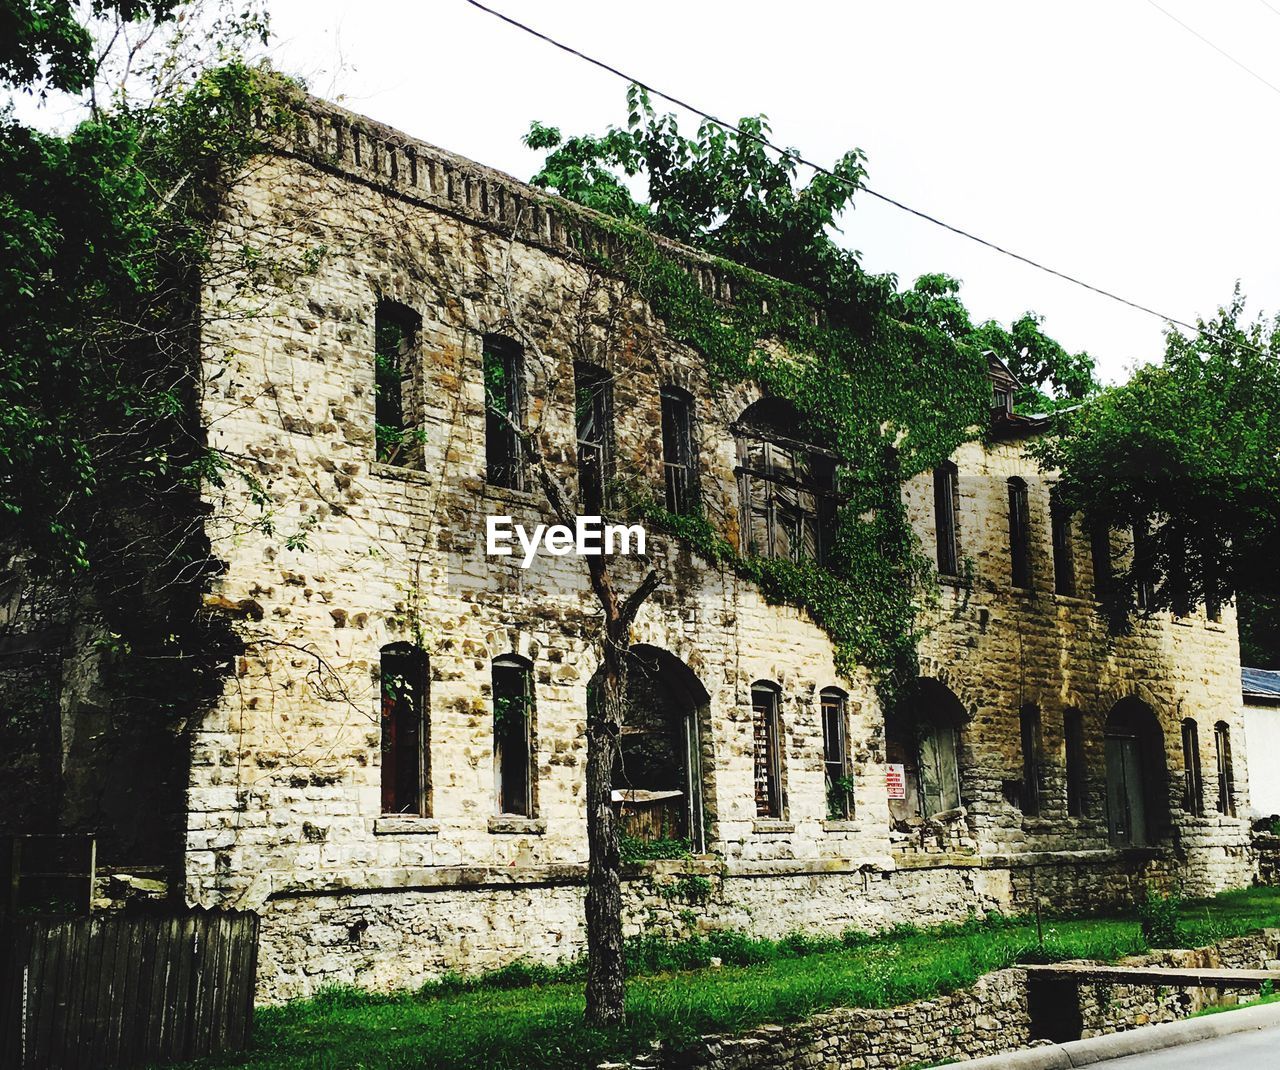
x: 922, y: 745
x: 1136, y: 796
x: 657, y: 783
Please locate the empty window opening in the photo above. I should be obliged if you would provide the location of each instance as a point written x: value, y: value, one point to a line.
x: 504, y: 412
x: 767, y: 749
x: 679, y: 453
x: 1064, y: 565
x: 397, y: 329
x: 1032, y: 759
x: 1100, y: 554
x: 1019, y: 534
x: 946, y: 499
x: 922, y: 736
x: 593, y: 418
x: 1073, y: 741
x: 835, y: 753
x: 512, y: 735
x: 1192, y: 787
x: 657, y: 781
x: 406, y: 734
x: 1226, y: 780
x: 786, y: 485
x: 1140, y: 564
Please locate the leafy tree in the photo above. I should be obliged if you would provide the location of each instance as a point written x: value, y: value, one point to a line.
x: 1189, y: 451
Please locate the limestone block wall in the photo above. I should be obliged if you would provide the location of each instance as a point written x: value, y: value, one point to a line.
x: 331, y: 555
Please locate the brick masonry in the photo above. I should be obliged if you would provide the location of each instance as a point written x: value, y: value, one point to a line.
x: 284, y: 809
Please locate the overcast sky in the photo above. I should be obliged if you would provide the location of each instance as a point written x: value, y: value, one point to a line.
x: 1097, y: 136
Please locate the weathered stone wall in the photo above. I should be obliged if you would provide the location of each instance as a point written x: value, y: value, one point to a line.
x: 331, y: 555
x: 990, y: 1018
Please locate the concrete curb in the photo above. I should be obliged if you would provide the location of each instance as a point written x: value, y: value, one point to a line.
x: 1131, y: 1041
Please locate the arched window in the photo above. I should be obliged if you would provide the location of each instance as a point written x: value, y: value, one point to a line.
x: 396, y: 433
x: 513, y: 711
x: 921, y: 750
x: 406, y: 753
x: 1032, y: 758
x: 1192, y: 787
x: 1137, y: 777
x: 593, y: 420
x: 767, y: 748
x: 1019, y: 534
x: 679, y: 451
x: 504, y: 411
x: 835, y: 752
x: 786, y: 485
x: 1226, y: 779
x: 946, y: 499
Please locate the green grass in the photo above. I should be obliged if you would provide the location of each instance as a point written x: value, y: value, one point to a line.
x: 527, y: 1017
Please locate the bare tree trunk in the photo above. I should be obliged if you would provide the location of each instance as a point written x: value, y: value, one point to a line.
x: 605, y: 974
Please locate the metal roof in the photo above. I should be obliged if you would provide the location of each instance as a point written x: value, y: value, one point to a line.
x: 1260, y: 683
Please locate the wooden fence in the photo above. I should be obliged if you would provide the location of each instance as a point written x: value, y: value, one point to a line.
x: 119, y: 990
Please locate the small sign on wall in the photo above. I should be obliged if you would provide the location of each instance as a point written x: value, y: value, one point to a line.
x: 895, y: 780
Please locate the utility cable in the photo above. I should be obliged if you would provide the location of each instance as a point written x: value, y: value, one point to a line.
x: 1221, y: 51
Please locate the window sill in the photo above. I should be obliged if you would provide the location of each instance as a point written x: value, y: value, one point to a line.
x: 405, y: 825
x: 1074, y: 600
x: 772, y: 826
x: 509, y: 494
x: 516, y: 825
x: 839, y: 824
x: 382, y: 470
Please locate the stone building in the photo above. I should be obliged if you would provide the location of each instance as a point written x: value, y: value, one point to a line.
x: 394, y: 773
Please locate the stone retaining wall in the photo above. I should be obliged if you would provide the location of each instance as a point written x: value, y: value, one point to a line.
x: 990, y: 1018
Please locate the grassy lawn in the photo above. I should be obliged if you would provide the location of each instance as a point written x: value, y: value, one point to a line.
x: 505, y: 1022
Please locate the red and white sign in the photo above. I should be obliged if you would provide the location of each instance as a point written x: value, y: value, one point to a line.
x: 895, y: 780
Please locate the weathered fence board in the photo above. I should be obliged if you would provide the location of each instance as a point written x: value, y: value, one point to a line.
x: 118, y: 990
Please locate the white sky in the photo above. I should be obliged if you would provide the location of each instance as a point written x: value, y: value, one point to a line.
x: 1097, y: 136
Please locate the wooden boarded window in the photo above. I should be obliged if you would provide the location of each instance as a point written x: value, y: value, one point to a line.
x: 403, y: 679
x: 1192, y: 787
x: 593, y: 418
x: 946, y: 497
x: 835, y: 753
x: 767, y: 749
x: 504, y: 412
x: 1073, y: 739
x: 397, y: 329
x: 1226, y: 779
x: 1019, y: 534
x: 679, y: 453
x: 1032, y: 758
x: 513, y: 735
x: 1064, y: 565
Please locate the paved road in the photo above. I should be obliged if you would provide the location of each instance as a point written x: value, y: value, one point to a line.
x: 1258, y: 1049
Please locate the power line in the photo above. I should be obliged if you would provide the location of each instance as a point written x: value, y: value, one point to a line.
x: 1269, y: 7
x: 796, y: 158
x: 1221, y: 51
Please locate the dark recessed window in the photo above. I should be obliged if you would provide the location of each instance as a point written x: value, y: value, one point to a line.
x: 1032, y: 758
x: 504, y: 412
x: 767, y: 749
x: 1192, y: 787
x: 1226, y: 779
x: 1019, y: 534
x: 1073, y: 738
x: 405, y: 730
x: 513, y: 735
x: 1064, y: 565
x: 835, y: 752
x: 396, y: 333
x: 679, y: 452
x: 946, y: 498
x: 593, y: 419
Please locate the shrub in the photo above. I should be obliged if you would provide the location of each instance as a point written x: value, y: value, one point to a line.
x: 1158, y: 914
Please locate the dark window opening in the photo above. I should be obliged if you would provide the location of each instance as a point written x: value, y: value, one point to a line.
x: 787, y: 487
x: 1019, y: 534
x: 1032, y: 759
x: 1137, y: 775
x: 679, y: 452
x: 835, y: 753
x: 767, y: 749
x: 593, y: 417
x: 1100, y: 553
x: 922, y: 736
x: 1073, y: 738
x: 1192, y: 787
x: 1064, y: 565
x: 396, y: 332
x: 512, y: 735
x: 1140, y: 564
x: 946, y: 498
x: 504, y: 412
x: 1226, y: 780
x: 405, y: 730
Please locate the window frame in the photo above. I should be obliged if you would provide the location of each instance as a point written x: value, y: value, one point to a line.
x: 1031, y: 737
x: 679, y: 450
x: 833, y: 706
x: 1226, y: 803
x: 511, y: 664
x: 1061, y: 523
x: 1192, y: 775
x: 504, y: 451
x: 593, y: 490
x: 766, y: 726
x: 946, y: 518
x: 1021, y: 575
x: 416, y: 676
x: 1074, y: 759
x: 394, y: 406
